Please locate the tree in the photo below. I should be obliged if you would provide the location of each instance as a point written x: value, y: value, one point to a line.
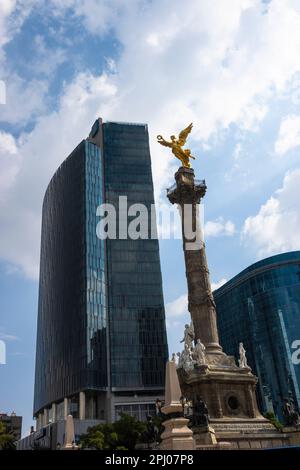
x: 129, y: 430
x: 121, y: 435
x: 6, y: 439
x: 272, y: 418
x: 94, y: 439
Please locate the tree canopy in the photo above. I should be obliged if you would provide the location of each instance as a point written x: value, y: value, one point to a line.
x: 123, y: 434
x: 6, y: 439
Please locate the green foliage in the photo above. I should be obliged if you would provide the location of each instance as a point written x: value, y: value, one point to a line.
x: 272, y: 418
x: 158, y: 422
x: 129, y: 430
x: 6, y: 439
x: 94, y: 439
x: 121, y: 435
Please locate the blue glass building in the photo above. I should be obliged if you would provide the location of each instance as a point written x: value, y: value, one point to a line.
x: 101, y: 336
x: 261, y: 308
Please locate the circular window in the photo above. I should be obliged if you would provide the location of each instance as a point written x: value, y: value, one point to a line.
x: 233, y: 403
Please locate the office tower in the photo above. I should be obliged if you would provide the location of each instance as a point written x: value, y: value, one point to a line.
x: 101, y: 337
x: 261, y: 307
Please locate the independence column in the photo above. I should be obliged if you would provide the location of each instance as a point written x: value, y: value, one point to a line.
x: 187, y: 193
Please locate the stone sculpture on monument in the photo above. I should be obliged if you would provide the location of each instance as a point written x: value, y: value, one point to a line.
x: 199, y: 353
x: 242, y: 359
x: 189, y: 335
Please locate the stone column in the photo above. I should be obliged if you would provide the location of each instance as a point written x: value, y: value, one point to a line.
x: 69, y: 443
x: 90, y: 408
x: 54, y: 417
x: 46, y: 417
x: 66, y: 403
x: 39, y: 421
x: 250, y: 400
x: 217, y: 401
x: 176, y: 436
x: 81, y: 405
x: 40, y: 418
x: 187, y: 193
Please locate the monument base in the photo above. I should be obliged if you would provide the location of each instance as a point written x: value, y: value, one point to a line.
x: 229, y: 393
x: 293, y: 433
x: 177, y: 436
x: 204, y: 435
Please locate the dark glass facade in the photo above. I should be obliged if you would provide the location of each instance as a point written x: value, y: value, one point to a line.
x: 101, y: 322
x: 261, y: 307
x: 135, y: 299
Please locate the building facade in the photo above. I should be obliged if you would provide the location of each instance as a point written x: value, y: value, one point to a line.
x: 13, y: 424
x: 261, y: 308
x: 101, y: 336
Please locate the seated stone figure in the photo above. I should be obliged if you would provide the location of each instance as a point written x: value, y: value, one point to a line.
x: 200, y: 412
x: 289, y: 412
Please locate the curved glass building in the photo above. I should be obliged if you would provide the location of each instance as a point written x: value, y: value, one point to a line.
x: 261, y: 308
x: 101, y: 336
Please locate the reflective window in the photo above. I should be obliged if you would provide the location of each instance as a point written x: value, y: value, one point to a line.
x: 261, y: 308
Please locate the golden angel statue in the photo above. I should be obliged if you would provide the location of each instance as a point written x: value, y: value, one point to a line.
x: 176, y: 145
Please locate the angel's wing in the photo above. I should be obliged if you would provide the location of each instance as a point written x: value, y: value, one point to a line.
x: 163, y: 142
x: 183, y: 134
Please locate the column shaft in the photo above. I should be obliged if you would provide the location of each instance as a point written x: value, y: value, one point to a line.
x: 187, y: 194
x: 54, y: 418
x: 82, y: 405
x: 66, y: 411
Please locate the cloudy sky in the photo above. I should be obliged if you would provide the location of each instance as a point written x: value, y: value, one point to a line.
x: 232, y: 67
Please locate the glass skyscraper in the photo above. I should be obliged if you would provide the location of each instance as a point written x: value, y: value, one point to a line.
x: 101, y: 336
x: 261, y: 308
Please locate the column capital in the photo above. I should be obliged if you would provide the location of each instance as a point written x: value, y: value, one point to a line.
x: 186, y: 190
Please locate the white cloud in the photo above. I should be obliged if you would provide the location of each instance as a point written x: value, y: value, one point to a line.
x: 178, y: 307
x: 6, y: 8
x: 47, y: 59
x: 237, y: 151
x: 13, y: 13
x: 276, y: 226
x: 219, y: 227
x: 210, y: 64
x: 289, y: 134
x: 7, y: 143
x: 40, y: 153
x: 25, y: 101
x: 8, y: 337
x: 238, y: 57
x: 9, y: 162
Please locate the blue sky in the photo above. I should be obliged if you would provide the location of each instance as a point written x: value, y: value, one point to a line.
x: 231, y: 67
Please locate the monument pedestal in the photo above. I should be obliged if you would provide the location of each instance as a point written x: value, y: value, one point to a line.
x: 177, y: 435
x: 205, y: 436
x: 293, y: 434
x: 69, y: 443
